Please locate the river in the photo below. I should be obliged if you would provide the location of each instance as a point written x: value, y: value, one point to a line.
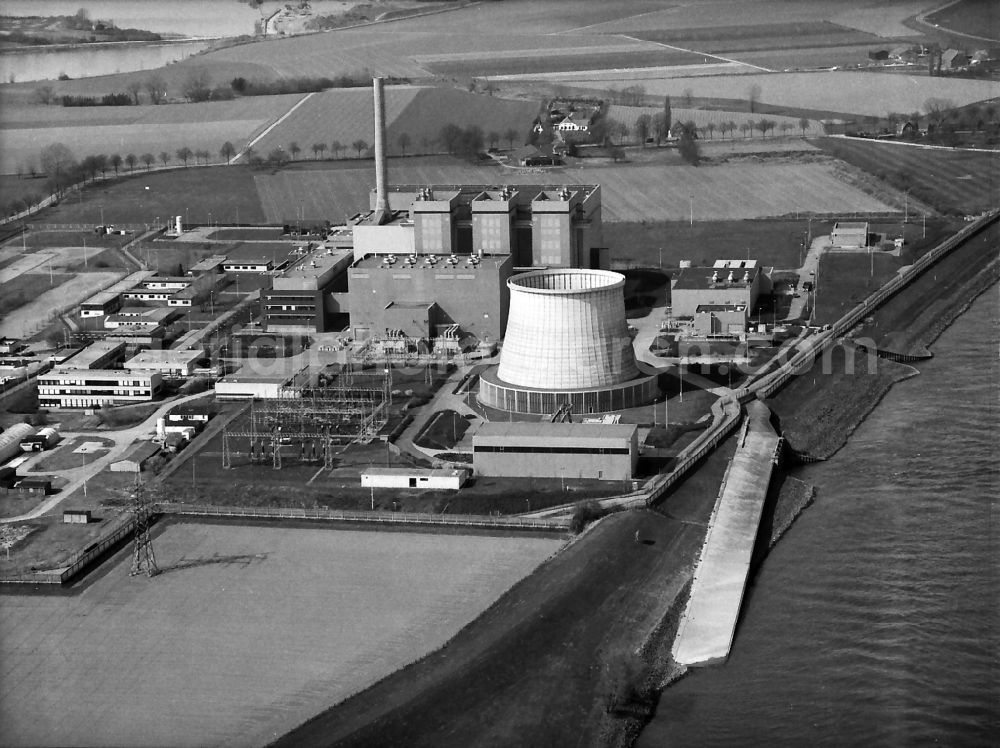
x: 187, y: 18
x: 874, y: 621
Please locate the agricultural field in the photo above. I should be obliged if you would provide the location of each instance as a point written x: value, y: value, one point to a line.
x: 858, y: 93
x: 25, y: 130
x: 664, y: 191
x: 547, y: 62
x: 345, y: 115
x: 980, y: 18
x: 705, y: 117
x: 952, y: 181
x: 303, y: 640
x: 730, y: 40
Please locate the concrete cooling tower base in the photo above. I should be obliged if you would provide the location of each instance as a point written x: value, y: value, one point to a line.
x: 495, y: 393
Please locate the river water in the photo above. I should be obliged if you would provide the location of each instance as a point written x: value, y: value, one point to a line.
x: 189, y: 18
x: 874, y: 621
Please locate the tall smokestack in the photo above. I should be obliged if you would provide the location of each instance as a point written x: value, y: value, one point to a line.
x: 382, y: 211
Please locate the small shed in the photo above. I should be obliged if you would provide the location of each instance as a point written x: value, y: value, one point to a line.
x: 135, y: 459
x: 435, y: 478
x: 40, y: 486
x: 76, y: 516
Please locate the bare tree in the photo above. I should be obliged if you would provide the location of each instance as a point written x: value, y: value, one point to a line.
x: 711, y: 130
x: 184, y: 153
x: 164, y: 157
x: 404, y: 141
x: 131, y: 160
x: 147, y: 159
x: 493, y: 137
x: 743, y: 129
x: 753, y: 96
x: 197, y: 86
x: 116, y: 162
x: 44, y: 94
x: 688, y: 97
x: 936, y: 109
x: 510, y: 135
x: 336, y: 147
x: 134, y: 87
x: 803, y: 126
x: 227, y: 151
x: 156, y: 89
x: 316, y: 148
x: 787, y: 127
x: 294, y: 149
x: 643, y: 126
x: 359, y: 145
x: 449, y: 136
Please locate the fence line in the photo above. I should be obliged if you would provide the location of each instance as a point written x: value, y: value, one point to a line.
x: 378, y: 517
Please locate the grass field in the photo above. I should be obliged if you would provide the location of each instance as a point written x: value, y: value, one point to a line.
x: 225, y: 191
x: 577, y: 621
x: 345, y: 115
x: 858, y: 93
x: 751, y: 37
x: 954, y: 181
x: 636, y: 192
x: 844, y: 279
x: 304, y: 640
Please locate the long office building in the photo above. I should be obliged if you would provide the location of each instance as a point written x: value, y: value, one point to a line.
x: 89, y: 388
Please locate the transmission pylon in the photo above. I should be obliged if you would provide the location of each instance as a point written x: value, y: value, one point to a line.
x: 143, y: 558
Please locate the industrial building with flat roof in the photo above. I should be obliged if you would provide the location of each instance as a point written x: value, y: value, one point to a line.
x: 427, y: 479
x: 99, y: 355
x: 109, y: 300
x: 170, y: 363
x: 302, y: 298
x: 245, y: 384
x: 556, y: 450
x: 725, y: 287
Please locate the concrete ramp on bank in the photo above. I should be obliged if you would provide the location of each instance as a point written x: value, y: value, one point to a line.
x: 706, y: 630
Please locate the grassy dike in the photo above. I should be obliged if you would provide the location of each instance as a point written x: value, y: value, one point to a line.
x: 819, y: 409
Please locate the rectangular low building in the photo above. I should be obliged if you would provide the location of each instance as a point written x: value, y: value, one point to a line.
x: 849, y: 234
x: 136, y: 458
x: 100, y: 355
x: 439, y: 478
x: 246, y: 385
x: 727, y: 283
x: 88, y: 388
x: 556, y: 450
x: 170, y: 363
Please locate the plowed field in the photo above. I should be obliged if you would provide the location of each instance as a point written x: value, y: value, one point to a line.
x: 963, y: 182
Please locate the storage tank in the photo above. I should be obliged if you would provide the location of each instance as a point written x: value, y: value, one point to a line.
x: 10, y: 440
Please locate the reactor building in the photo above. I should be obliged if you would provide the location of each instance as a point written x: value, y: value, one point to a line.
x: 567, y: 343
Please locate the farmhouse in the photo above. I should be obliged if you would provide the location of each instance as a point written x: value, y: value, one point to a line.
x: 954, y: 59
x: 575, y: 122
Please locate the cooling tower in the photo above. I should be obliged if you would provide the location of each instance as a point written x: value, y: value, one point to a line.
x: 566, y: 341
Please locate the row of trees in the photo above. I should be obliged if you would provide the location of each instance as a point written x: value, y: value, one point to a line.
x: 655, y: 128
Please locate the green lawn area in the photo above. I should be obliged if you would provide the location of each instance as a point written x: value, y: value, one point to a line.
x: 445, y: 429
x: 227, y: 193
x: 645, y: 244
x: 29, y: 286
x: 64, y: 457
x: 844, y: 279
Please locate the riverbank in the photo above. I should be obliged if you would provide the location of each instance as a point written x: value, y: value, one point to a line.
x: 820, y: 408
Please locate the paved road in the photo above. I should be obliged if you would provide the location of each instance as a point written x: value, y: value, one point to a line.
x: 123, y: 441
